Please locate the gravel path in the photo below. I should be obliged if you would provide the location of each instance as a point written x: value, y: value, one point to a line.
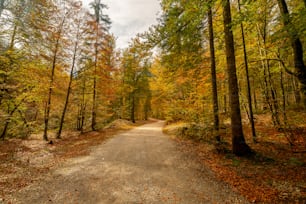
x: 139, y: 166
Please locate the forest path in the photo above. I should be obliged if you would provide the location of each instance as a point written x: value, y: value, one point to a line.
x: 138, y: 166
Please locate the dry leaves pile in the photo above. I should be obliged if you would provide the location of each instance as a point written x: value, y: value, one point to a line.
x: 275, y: 174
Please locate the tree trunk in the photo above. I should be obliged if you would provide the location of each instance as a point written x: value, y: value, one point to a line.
x: 83, y: 106
x: 93, y: 113
x: 147, y: 106
x: 274, y: 98
x: 94, y: 97
x: 69, y: 85
x: 54, y: 61
x: 65, y: 109
x: 254, y: 96
x: 239, y: 145
x: 83, y: 117
x: 213, y: 74
x: 78, y: 122
x: 267, y: 86
x: 3, y: 134
x: 297, y: 47
x: 296, y: 91
x: 48, y: 103
x: 224, y: 98
x: 249, y: 96
x: 8, y: 121
x: 283, y: 97
x: 12, y: 43
x: 133, y: 108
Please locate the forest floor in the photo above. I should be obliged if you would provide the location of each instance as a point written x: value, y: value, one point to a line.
x: 276, y: 173
x: 141, y: 165
x: 27, y: 161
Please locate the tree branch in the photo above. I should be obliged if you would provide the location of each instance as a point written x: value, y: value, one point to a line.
x: 278, y: 60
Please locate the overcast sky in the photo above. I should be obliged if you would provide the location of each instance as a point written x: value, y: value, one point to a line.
x: 130, y: 17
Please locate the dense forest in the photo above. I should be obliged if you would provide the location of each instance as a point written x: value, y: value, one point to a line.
x: 208, y: 63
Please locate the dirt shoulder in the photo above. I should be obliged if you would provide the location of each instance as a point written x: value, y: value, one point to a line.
x: 25, y: 162
x: 275, y: 174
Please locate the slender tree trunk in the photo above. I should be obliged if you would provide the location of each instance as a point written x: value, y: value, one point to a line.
x: 3, y: 134
x: 249, y: 96
x: 254, y: 95
x: 93, y: 113
x: 48, y: 103
x: 238, y: 142
x: 69, y: 85
x: 283, y: 96
x: 54, y: 61
x: 25, y: 122
x: 83, y: 117
x: 78, y: 122
x: 224, y: 98
x: 288, y: 134
x: 213, y: 74
x: 65, y: 108
x: 296, y: 92
x: 267, y: 97
x: 12, y: 43
x: 274, y: 98
x: 268, y: 90
x: 8, y: 121
x: 83, y: 107
x: 133, y: 108
x: 147, y: 106
x: 94, y: 97
x: 297, y: 47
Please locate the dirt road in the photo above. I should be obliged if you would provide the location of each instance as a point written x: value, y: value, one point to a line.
x: 139, y: 166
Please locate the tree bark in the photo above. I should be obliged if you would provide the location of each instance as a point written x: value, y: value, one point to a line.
x: 283, y: 97
x: 12, y: 43
x: 69, y: 85
x: 8, y: 121
x: 93, y: 113
x: 54, y: 61
x: 133, y: 108
x: 81, y: 116
x: 94, y: 97
x: 249, y: 96
x: 275, y: 104
x: 296, y: 91
x: 254, y: 96
x: 297, y: 47
x: 267, y: 86
x: 147, y: 106
x: 239, y: 145
x: 48, y: 103
x: 213, y: 74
